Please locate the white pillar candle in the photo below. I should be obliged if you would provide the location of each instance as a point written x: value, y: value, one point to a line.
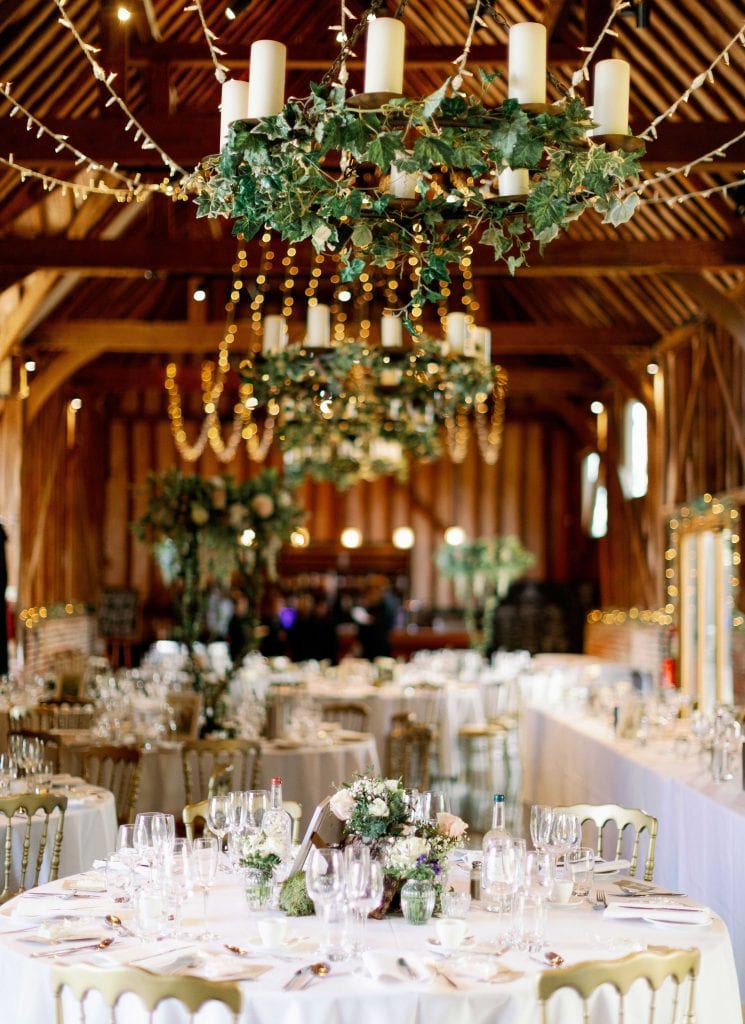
x: 527, y: 63
x: 514, y: 182
x: 479, y: 343
x: 391, y: 333
x: 456, y: 329
x: 319, y: 326
x: 403, y: 185
x: 275, y: 334
x: 610, y: 97
x: 266, y: 92
x: 384, y: 59
x: 233, y: 106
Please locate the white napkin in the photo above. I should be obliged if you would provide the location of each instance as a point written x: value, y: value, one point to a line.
x: 659, y: 909
x: 608, y: 867
x: 386, y: 967
x: 54, y: 906
x: 64, y: 931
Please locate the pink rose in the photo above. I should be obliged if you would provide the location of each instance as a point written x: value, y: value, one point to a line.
x: 262, y: 505
x: 450, y: 825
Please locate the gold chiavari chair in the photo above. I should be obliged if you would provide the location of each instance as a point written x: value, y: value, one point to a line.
x: 27, y: 806
x: 152, y: 989
x: 602, y: 815
x: 408, y: 750
x: 117, y: 769
x: 201, y: 759
x: 349, y: 714
x: 656, y: 967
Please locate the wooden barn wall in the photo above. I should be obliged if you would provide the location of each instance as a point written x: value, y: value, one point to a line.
x: 95, y: 491
x: 696, y: 445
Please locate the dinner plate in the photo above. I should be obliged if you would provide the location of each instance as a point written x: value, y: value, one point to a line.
x: 572, y: 903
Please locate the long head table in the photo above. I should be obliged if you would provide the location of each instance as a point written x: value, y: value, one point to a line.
x: 503, y: 991
x: 569, y: 758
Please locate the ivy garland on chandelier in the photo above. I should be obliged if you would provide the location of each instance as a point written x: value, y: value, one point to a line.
x: 321, y: 168
x: 358, y: 411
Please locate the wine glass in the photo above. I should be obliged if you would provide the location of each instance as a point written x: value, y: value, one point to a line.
x: 356, y: 883
x: 324, y: 883
x: 541, y: 819
x: 539, y: 873
x: 237, y: 815
x: 369, y: 899
x: 566, y: 832
x: 204, y: 854
x: 148, y: 826
x: 218, y: 818
x: 257, y: 802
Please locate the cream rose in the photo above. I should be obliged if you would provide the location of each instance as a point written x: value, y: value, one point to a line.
x: 378, y: 809
x: 262, y: 505
x: 342, y: 804
x: 450, y: 825
x: 199, y: 515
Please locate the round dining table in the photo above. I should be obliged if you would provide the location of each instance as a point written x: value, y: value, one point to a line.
x: 89, y: 832
x: 402, y: 977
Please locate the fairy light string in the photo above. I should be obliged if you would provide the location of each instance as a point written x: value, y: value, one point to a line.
x: 141, y: 134
x: 221, y: 70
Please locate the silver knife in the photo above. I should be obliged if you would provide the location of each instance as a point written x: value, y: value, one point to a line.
x: 646, y: 895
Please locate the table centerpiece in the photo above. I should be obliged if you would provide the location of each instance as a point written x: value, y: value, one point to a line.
x: 380, y: 814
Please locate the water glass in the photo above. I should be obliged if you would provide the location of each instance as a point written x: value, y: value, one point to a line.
x: 581, y: 864
x: 541, y: 820
x: 455, y: 903
x: 150, y: 913
x: 118, y: 880
x: 528, y: 930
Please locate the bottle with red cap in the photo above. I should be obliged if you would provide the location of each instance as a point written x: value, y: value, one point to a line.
x: 277, y: 822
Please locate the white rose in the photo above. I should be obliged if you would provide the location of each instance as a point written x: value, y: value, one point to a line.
x: 262, y: 505
x: 391, y: 785
x: 237, y: 515
x: 378, y: 809
x: 342, y: 804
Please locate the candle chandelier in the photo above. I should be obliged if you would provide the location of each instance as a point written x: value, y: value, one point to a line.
x: 384, y: 180
x: 347, y: 401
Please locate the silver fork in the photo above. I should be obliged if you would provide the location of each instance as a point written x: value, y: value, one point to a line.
x: 601, y: 901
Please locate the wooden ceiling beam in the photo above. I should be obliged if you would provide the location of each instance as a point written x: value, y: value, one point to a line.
x: 426, y: 56
x: 718, y: 305
x: 188, y: 139
x: 179, y: 336
x: 565, y: 257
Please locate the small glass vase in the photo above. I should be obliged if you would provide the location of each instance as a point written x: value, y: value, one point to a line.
x: 258, y: 886
x: 417, y: 900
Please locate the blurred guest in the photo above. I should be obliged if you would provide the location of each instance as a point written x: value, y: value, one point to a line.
x: 376, y: 619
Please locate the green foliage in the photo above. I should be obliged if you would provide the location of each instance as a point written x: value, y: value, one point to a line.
x: 273, y: 174
x: 294, y: 898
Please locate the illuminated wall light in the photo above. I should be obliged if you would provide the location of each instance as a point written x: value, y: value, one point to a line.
x: 248, y: 537
x: 123, y: 14
x: 403, y: 538
x: 199, y: 294
x: 351, y: 537
x: 653, y: 368
x: 76, y: 404
x: 344, y: 295
x: 455, y: 536
x: 30, y: 365
x: 300, y: 538
x: 597, y: 407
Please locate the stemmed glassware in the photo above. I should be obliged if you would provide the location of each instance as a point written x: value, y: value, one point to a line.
x: 367, y: 898
x: 324, y: 882
x: 257, y: 802
x: 566, y: 832
x: 204, y: 854
x: 541, y: 820
x: 356, y: 883
x: 237, y: 815
x: 218, y: 820
x: 150, y: 832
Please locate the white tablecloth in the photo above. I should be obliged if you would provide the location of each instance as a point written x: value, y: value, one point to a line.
x: 349, y: 996
x: 308, y: 773
x: 89, y: 833
x: 448, y: 706
x: 572, y: 759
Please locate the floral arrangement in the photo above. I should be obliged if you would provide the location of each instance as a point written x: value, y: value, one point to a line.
x: 357, y: 411
x: 376, y: 811
x: 197, y: 528
x: 262, y: 853
x: 482, y: 571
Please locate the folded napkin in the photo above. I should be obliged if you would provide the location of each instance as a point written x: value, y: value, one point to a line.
x: 55, y: 905
x: 608, y: 867
x: 387, y: 966
x: 85, y: 883
x: 69, y: 930
x: 658, y: 909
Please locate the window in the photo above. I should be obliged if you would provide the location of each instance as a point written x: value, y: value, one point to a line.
x: 594, y: 497
x: 633, y: 469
